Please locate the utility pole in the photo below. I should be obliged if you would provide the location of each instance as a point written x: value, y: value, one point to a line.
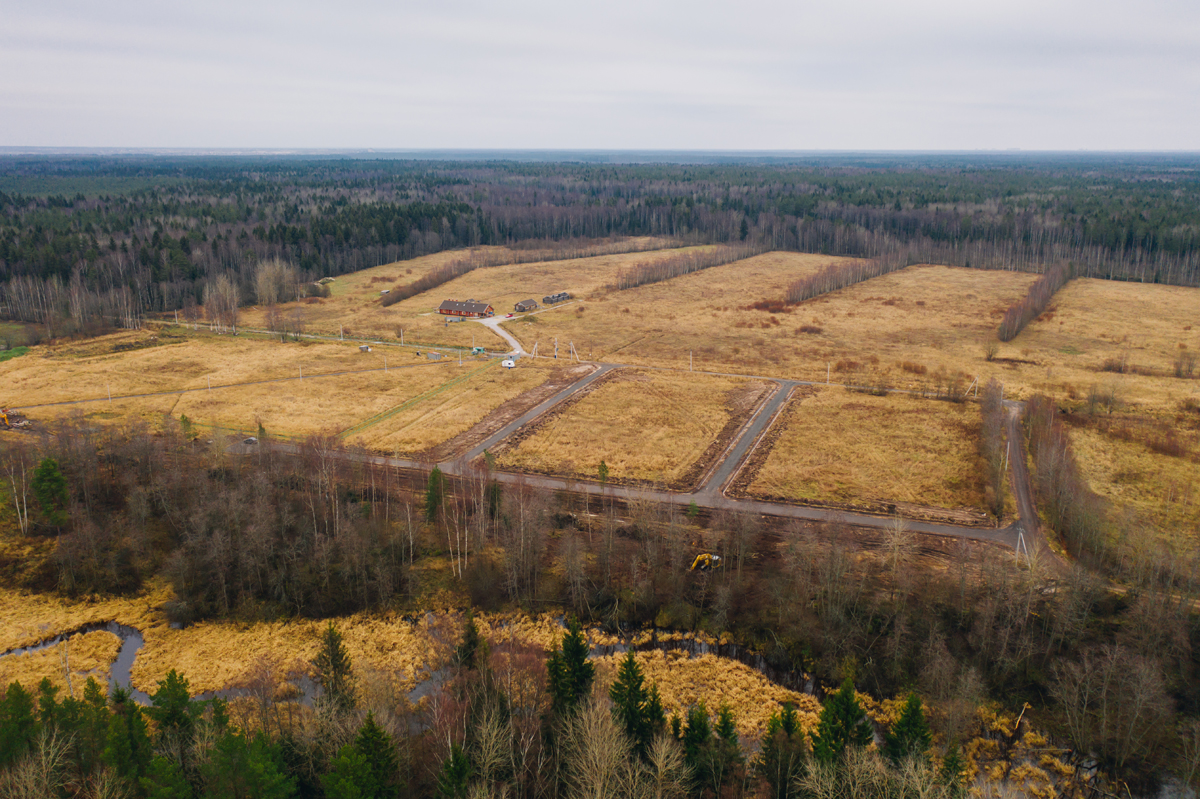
x: 556, y: 349
x: 827, y: 373
x: 301, y: 372
x: 341, y: 333
x: 385, y: 364
x: 401, y: 337
x: 209, y: 379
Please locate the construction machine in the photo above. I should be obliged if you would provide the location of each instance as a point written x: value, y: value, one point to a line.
x: 705, y: 562
x: 4, y: 417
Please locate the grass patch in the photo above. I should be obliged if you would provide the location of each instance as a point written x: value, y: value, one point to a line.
x: 844, y: 448
x: 15, y: 352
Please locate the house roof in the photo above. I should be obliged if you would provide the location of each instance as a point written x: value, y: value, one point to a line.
x: 465, y: 306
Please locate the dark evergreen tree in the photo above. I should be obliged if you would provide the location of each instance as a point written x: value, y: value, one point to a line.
x: 334, y: 670
x: 246, y: 768
x: 349, y: 777
x: 697, y: 734
x: 953, y: 768
x: 455, y: 776
x: 435, y: 495
x: 638, y: 710
x: 468, y: 648
x: 164, y: 780
x: 18, y: 724
x: 569, y: 672
x: 843, y: 723
x: 379, y: 752
x: 781, y: 759
x: 127, y: 749
x: 50, y: 490
x: 910, y: 735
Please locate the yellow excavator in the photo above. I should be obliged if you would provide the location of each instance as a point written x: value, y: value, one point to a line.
x: 705, y: 562
x: 4, y: 417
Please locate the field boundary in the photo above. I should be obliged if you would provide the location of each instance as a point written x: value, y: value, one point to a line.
x: 371, y: 421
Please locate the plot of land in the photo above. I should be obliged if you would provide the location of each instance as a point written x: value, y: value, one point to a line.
x: 846, y: 449
x: 442, y: 426
x: 657, y: 427
x: 1158, y: 489
x: 355, y: 304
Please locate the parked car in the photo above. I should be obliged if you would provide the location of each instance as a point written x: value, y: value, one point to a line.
x: 251, y: 440
x: 508, y: 316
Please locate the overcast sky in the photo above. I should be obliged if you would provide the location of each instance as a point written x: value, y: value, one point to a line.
x: 756, y: 74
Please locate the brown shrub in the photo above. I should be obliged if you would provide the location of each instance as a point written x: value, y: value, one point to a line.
x: 771, y: 306
x: 846, y: 365
x: 809, y: 329
x: 1168, y: 444
x: 914, y: 368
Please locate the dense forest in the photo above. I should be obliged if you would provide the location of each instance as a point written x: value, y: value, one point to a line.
x: 106, y: 239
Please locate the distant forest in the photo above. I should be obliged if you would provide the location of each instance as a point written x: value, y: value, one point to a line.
x: 101, y: 240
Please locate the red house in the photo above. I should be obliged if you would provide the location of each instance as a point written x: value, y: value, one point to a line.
x: 466, y: 308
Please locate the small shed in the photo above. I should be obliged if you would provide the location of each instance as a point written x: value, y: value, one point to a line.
x: 364, y: 347
x: 525, y: 305
x: 551, y: 299
x: 433, y: 356
x: 508, y: 363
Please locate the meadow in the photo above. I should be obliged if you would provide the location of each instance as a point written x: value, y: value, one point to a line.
x: 354, y: 304
x: 832, y: 446
x: 646, y: 426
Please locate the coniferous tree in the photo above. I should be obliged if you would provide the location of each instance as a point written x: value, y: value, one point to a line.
x: 379, y: 752
x: 951, y: 773
x: 127, y: 750
x: 843, y: 723
x: 455, y: 776
x: 349, y: 776
x: 910, y: 735
x: 241, y: 768
x: 334, y: 670
x: 696, y: 734
x: 435, y: 495
x: 164, y: 780
x: 18, y: 724
x: 781, y: 759
x: 569, y: 672
x: 638, y: 710
x: 50, y: 489
x: 468, y: 648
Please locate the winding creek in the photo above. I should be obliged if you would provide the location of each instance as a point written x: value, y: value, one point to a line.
x: 132, y: 642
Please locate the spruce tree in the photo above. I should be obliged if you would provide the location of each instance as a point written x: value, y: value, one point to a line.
x: 18, y: 724
x: 638, y: 710
x: 334, y: 670
x: 843, y: 723
x: 570, y: 673
x: 435, y: 495
x: 349, y: 777
x: 697, y: 733
x: 455, y: 776
x: 468, y: 649
x: 243, y: 767
x: 50, y: 489
x: 379, y: 752
x: 127, y: 750
x: 951, y: 773
x: 910, y: 735
x: 781, y: 759
x: 164, y: 780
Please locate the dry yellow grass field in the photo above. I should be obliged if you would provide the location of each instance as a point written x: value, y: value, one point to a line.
x: 355, y: 302
x: 83, y: 655
x: 686, y: 681
x: 453, y: 411
x: 848, y: 448
x: 1160, y: 490
x: 645, y: 426
x: 323, y: 401
x: 658, y: 324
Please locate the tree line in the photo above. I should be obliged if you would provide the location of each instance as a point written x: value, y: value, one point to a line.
x: 110, y: 258
x: 1035, y: 302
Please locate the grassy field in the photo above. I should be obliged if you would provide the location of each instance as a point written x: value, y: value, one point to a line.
x: 645, y: 426
x: 855, y: 449
x: 81, y: 656
x: 425, y: 425
x: 355, y: 302
x: 1159, y: 490
x: 323, y: 401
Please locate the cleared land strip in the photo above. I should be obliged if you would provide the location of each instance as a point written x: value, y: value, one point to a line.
x: 177, y: 391
x: 379, y: 417
x: 747, y: 437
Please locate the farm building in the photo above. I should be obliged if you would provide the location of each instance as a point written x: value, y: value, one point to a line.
x: 550, y: 299
x: 466, y: 308
x: 525, y: 305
